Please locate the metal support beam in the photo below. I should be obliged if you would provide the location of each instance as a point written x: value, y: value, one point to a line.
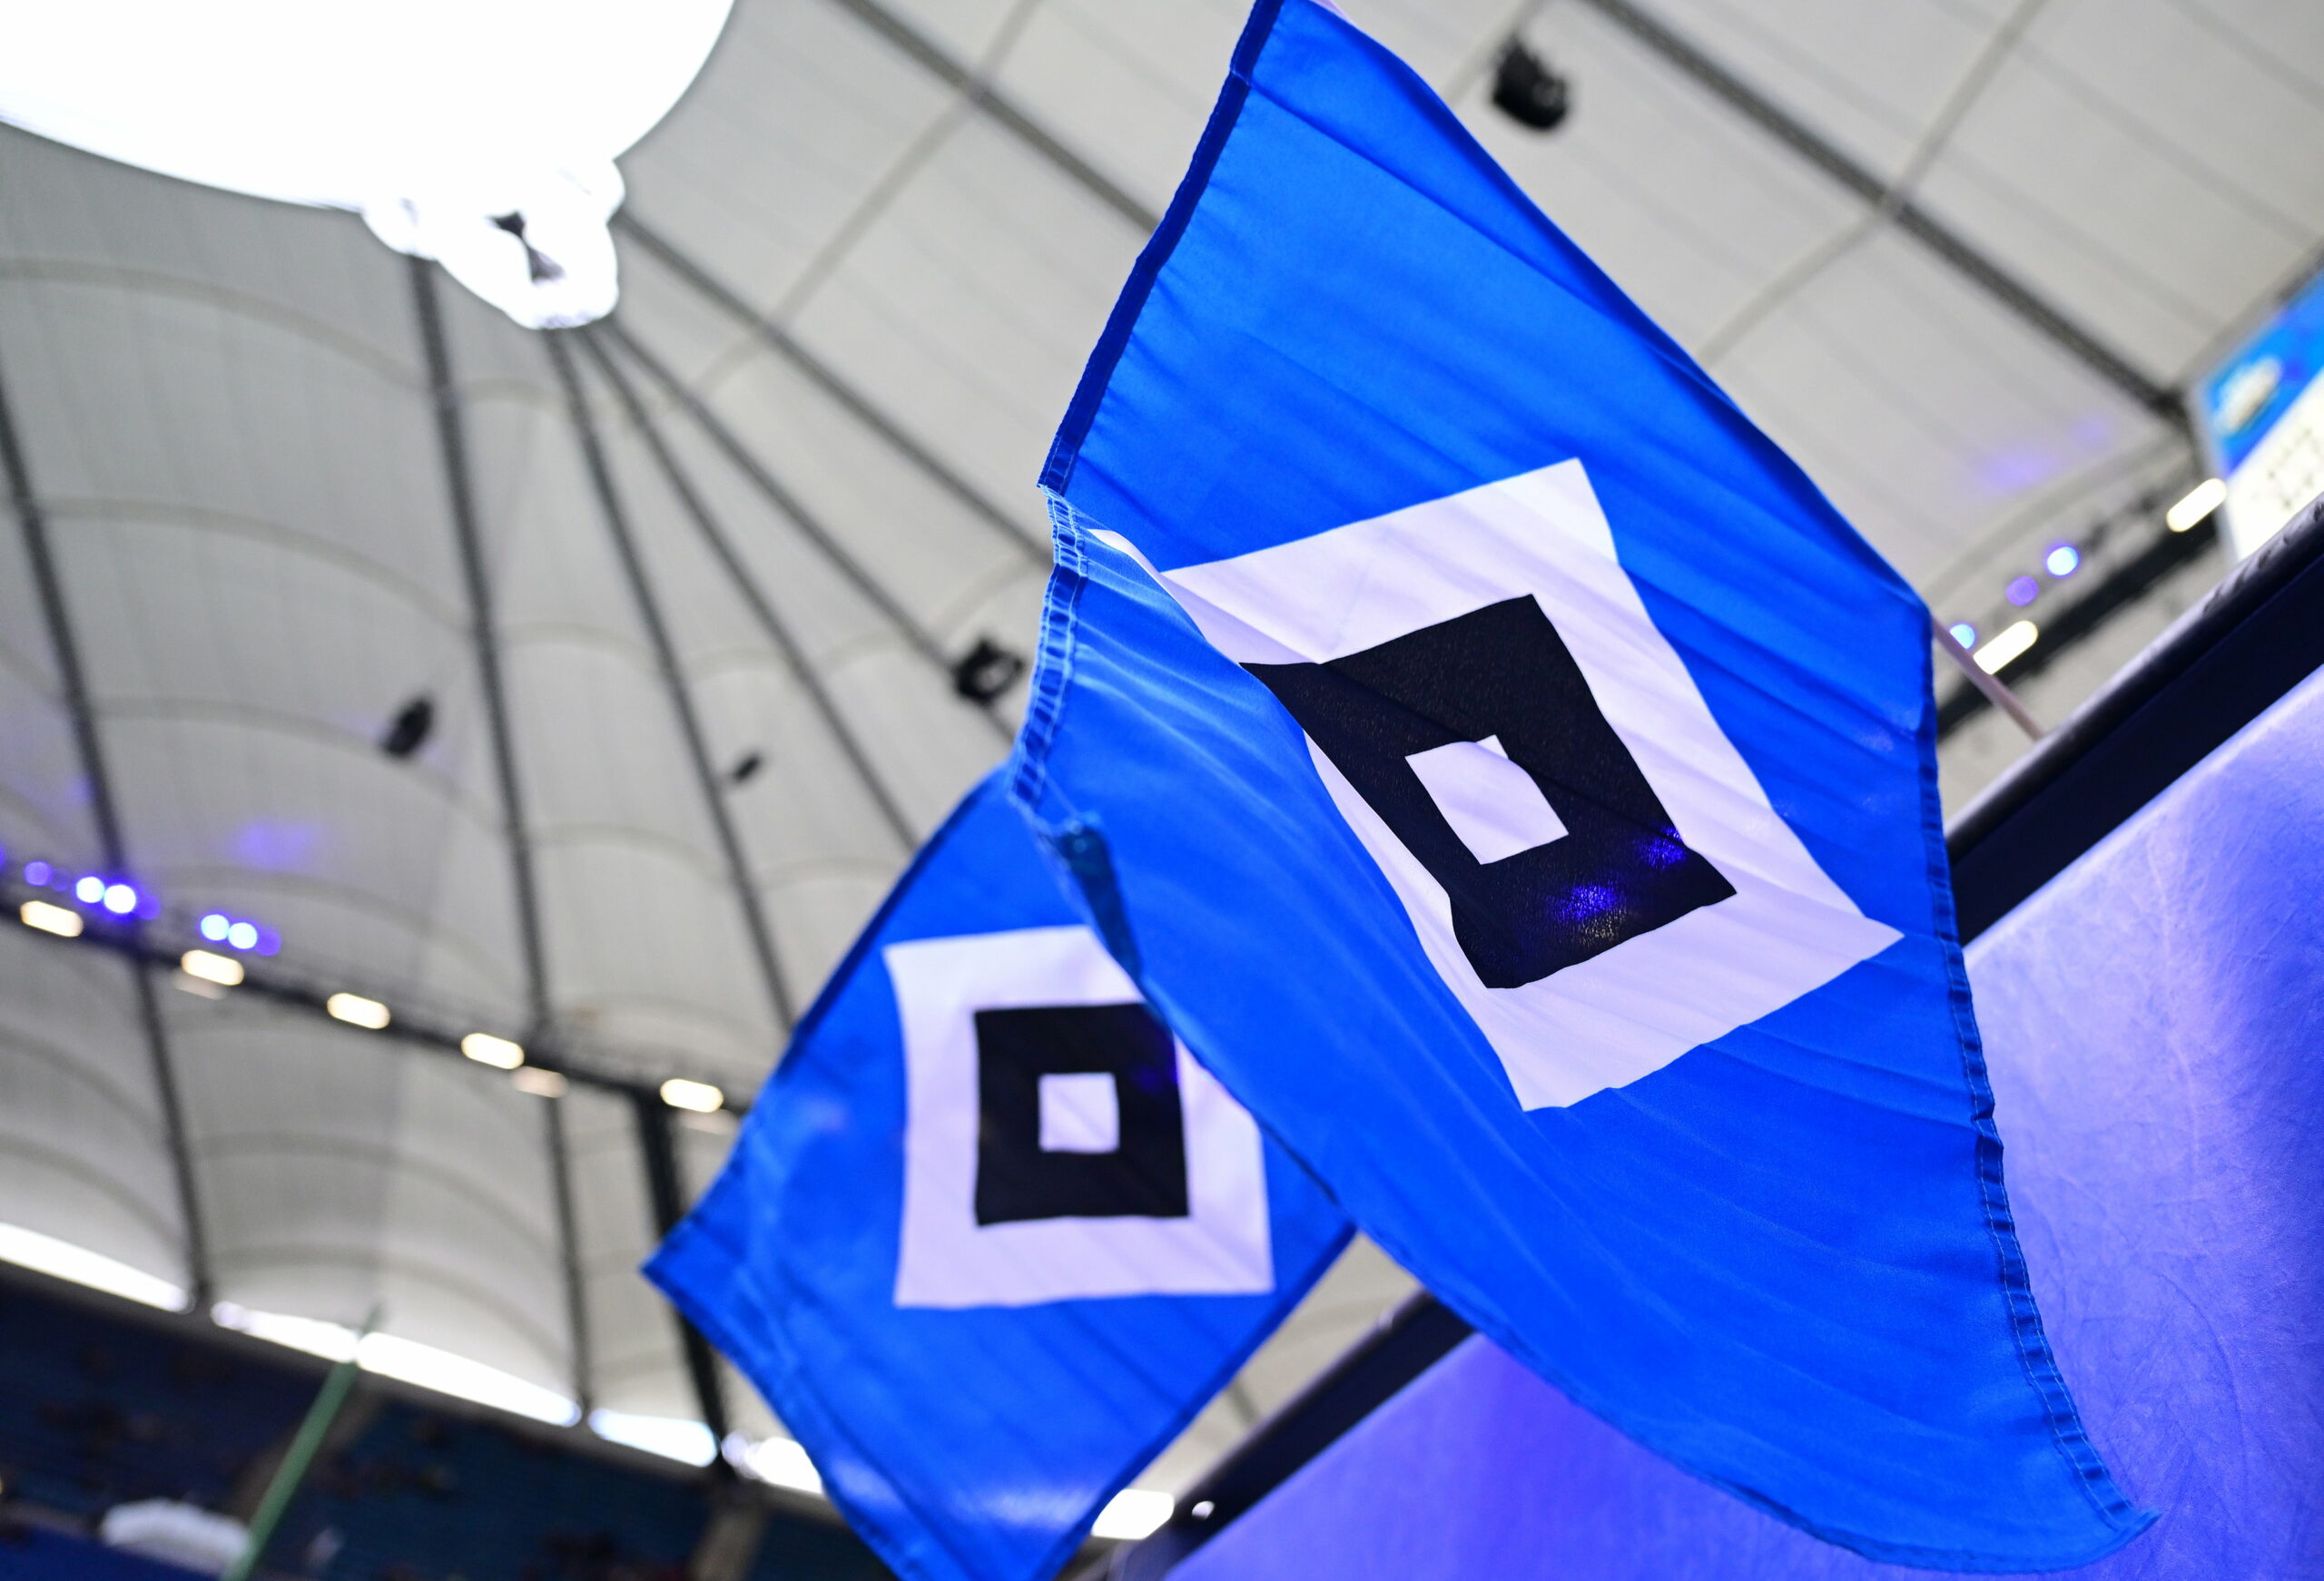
x: 104, y: 811
x: 989, y: 101
x: 752, y: 594
x: 657, y: 1142
x: 484, y: 628
x: 788, y: 504
x: 665, y: 659
x: 452, y: 439
x: 821, y: 373
x: 1957, y: 250
x: 582, y: 1358
x: 415, y: 1029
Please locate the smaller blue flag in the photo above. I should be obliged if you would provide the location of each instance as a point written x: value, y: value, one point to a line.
x: 991, y: 1236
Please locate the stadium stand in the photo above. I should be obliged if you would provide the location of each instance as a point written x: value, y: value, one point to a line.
x: 104, y: 1402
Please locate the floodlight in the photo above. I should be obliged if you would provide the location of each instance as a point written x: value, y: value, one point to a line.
x: 2007, y: 645
x: 221, y: 970
x: 699, y: 1096
x: 55, y: 919
x: 539, y: 1083
x: 1133, y: 1513
x: 358, y: 1011
x: 497, y: 1051
x: 2195, y: 505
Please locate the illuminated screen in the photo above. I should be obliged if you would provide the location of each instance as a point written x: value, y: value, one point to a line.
x: 2263, y: 414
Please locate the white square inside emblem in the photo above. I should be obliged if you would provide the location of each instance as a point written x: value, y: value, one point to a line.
x: 946, y: 1256
x: 1491, y: 803
x: 1080, y: 1112
x: 1604, y: 1021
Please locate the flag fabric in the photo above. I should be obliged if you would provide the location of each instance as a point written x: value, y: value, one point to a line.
x: 1520, y: 783
x: 991, y: 1236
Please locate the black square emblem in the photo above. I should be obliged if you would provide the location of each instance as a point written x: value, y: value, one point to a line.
x: 1145, y: 1174
x: 1619, y: 869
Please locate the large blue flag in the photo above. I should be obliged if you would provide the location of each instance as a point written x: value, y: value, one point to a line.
x: 1519, y: 782
x: 991, y: 1236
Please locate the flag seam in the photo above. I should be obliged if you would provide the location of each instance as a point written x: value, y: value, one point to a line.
x: 2068, y: 1436
x: 1066, y: 449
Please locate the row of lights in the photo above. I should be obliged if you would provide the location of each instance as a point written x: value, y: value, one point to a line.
x: 508, y: 1054
x: 112, y: 894
x: 2062, y: 561
x: 119, y: 897
x: 217, y: 973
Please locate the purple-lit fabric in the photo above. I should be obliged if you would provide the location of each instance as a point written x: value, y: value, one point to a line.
x: 2154, y: 1019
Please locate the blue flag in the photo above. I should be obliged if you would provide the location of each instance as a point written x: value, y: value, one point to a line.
x: 1519, y: 782
x: 991, y: 1236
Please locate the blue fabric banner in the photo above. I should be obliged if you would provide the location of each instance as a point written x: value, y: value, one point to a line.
x: 991, y: 1236
x: 1519, y: 782
x: 2153, y: 1014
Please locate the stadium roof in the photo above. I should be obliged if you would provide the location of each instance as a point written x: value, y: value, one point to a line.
x: 688, y: 596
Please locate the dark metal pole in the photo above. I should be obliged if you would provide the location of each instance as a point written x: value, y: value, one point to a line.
x: 305, y: 1444
x: 1989, y: 685
x: 104, y: 811
x: 667, y: 1193
x: 752, y: 594
x: 666, y: 658
x: 821, y: 373
x: 451, y: 438
x: 568, y: 1240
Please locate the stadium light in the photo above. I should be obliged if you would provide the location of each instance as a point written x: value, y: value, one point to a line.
x: 700, y: 1097
x: 59, y: 921
x: 539, y: 1083
x: 1133, y: 1513
x: 221, y: 970
x: 441, y: 1370
x: 358, y: 1011
x: 497, y: 1051
x: 782, y: 1462
x: 63, y: 1260
x: 672, y: 1438
x: 2007, y: 645
x: 408, y: 1360
x: 2195, y: 505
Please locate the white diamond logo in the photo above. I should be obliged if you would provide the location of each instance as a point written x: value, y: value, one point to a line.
x: 1588, y: 864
